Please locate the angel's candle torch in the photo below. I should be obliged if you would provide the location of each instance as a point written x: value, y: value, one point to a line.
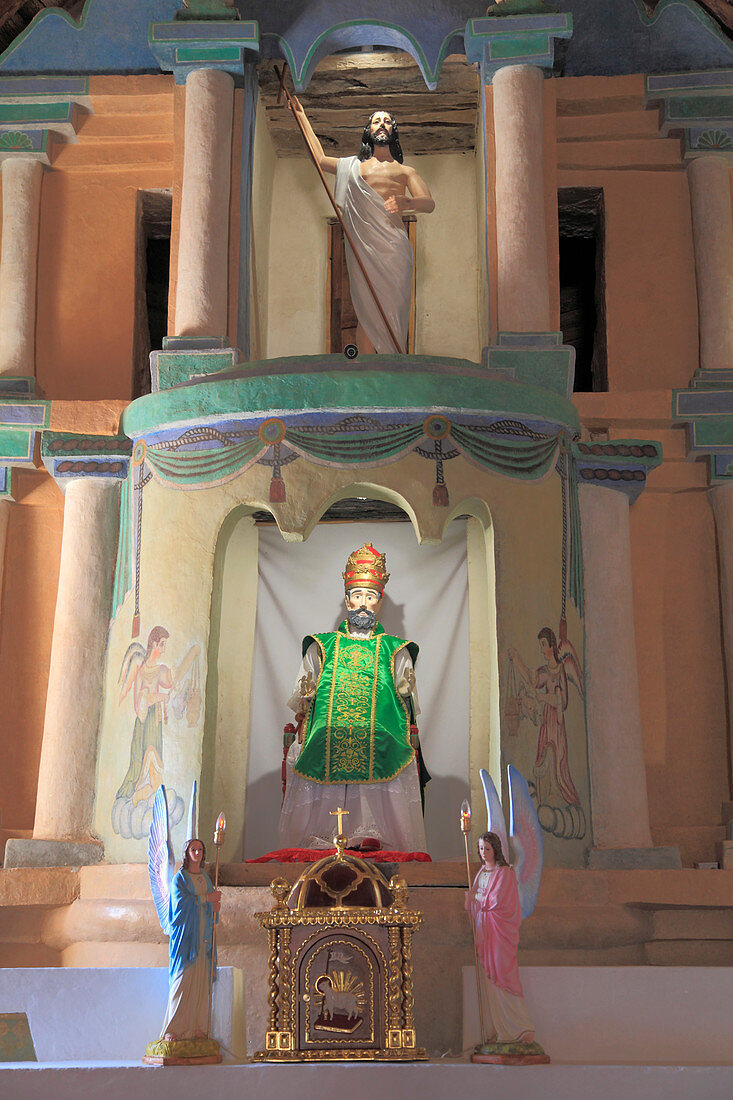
x: 465, y: 816
x: 220, y: 829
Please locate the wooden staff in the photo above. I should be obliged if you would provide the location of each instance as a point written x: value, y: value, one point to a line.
x: 219, y: 830
x: 466, y: 829
x: 347, y: 234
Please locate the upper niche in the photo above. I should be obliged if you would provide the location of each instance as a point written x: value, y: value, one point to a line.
x: 346, y: 88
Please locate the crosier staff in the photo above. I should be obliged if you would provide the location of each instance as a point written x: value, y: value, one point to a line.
x: 219, y: 830
x: 466, y: 829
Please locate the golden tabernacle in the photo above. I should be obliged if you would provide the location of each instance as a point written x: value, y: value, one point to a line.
x: 340, y: 964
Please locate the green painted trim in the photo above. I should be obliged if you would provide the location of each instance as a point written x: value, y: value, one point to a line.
x: 712, y: 433
x: 695, y: 107
x: 366, y: 389
x: 15, y: 444
x: 190, y: 54
x: 35, y: 112
x: 71, y: 445
x: 519, y: 45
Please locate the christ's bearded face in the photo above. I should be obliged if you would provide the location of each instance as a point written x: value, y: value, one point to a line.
x: 380, y: 127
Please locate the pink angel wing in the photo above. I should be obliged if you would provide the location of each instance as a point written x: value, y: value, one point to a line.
x: 526, y: 835
x: 160, y: 858
x: 494, y: 810
x: 573, y: 667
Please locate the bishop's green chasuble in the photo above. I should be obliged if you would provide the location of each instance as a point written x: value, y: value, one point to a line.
x: 358, y: 726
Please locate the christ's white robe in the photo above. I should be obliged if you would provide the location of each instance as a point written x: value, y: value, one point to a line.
x: 386, y: 253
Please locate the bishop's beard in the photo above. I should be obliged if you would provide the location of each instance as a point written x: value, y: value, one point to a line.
x: 361, y: 620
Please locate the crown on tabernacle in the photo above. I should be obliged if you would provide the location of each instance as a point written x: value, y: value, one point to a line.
x: 366, y: 568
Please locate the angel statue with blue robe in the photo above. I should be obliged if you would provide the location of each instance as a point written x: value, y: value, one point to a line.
x: 188, y: 906
x: 501, y: 896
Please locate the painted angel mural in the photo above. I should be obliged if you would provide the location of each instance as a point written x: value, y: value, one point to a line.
x: 543, y: 695
x: 154, y: 690
x: 500, y: 898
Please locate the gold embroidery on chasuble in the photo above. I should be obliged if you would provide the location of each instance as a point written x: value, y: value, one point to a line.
x: 351, y: 721
x: 358, y: 727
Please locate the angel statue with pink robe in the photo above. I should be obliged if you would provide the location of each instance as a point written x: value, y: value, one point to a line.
x: 501, y: 896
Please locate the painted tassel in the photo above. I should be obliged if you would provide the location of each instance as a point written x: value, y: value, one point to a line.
x: 440, y: 496
x: 277, y: 490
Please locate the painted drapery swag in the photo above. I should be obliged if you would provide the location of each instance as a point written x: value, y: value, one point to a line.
x: 202, y: 457
x: 358, y: 728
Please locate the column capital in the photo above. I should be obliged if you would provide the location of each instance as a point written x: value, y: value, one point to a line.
x: 23, y: 418
x: 620, y: 464
x: 69, y: 457
x: 29, y: 126
x: 697, y: 105
x: 182, y: 46
x: 527, y: 38
x: 707, y: 410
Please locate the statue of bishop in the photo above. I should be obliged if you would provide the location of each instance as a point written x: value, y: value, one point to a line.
x: 357, y: 745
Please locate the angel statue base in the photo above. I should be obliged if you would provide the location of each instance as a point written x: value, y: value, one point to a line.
x: 188, y: 906
x: 498, y: 900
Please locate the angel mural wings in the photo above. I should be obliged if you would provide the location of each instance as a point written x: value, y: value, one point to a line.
x: 153, y: 687
x: 500, y: 898
x: 187, y: 906
x: 543, y: 698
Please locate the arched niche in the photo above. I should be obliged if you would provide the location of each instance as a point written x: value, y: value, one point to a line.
x: 457, y: 671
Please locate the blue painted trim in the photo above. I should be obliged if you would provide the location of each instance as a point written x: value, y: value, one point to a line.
x: 44, y: 85
x: 191, y: 31
x: 669, y: 83
x: 27, y: 415
x: 687, y: 404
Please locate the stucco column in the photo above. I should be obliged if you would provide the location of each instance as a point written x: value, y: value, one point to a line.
x: 615, y: 746
x: 523, y: 284
x: 201, y: 290
x: 712, y: 231
x: 21, y: 184
x: 721, y: 499
x: 69, y: 752
x: 4, y: 520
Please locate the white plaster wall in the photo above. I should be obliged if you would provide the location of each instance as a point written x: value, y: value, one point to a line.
x: 446, y: 295
x: 446, y: 302
x: 94, y: 1013
x: 622, y: 1014
x: 296, y: 313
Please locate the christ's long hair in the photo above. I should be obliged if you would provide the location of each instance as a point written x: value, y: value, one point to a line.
x: 367, y: 141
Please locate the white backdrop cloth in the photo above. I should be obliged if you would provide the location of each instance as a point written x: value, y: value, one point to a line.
x: 300, y: 592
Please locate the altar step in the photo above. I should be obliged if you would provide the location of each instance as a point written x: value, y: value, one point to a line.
x: 428, y: 1080
x: 103, y: 916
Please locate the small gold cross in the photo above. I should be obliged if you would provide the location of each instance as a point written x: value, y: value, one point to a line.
x: 339, y: 813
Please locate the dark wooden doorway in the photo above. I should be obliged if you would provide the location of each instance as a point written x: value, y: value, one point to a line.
x: 341, y: 316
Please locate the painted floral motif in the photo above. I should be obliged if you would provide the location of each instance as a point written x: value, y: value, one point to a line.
x: 715, y: 139
x: 15, y: 140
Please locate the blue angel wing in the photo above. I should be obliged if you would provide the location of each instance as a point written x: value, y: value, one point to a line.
x: 160, y: 858
x: 494, y: 810
x: 192, y: 823
x: 526, y: 837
